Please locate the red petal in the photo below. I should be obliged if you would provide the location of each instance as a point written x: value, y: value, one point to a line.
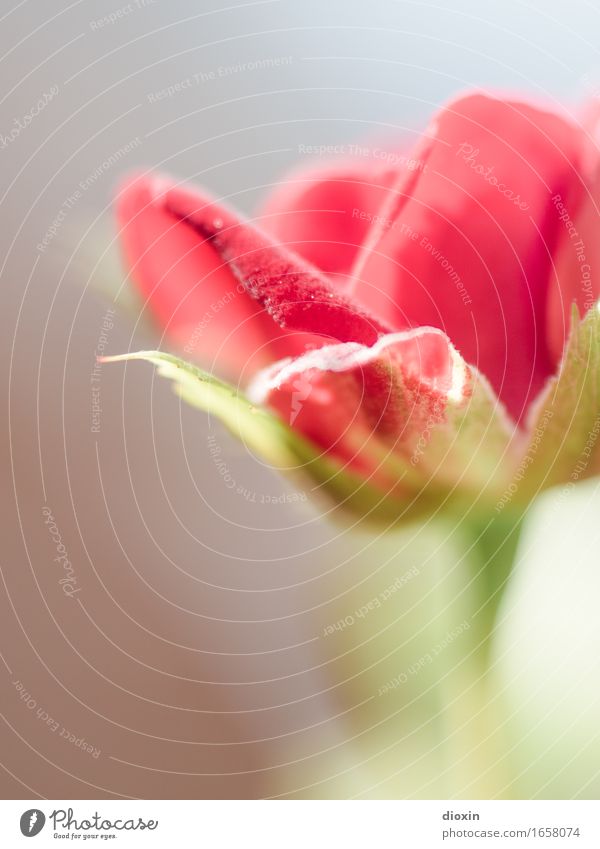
x: 294, y: 293
x: 192, y: 293
x: 470, y: 252
x: 320, y: 214
x: 365, y: 405
x: 575, y: 277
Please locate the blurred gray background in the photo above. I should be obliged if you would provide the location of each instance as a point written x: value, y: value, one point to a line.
x: 192, y: 657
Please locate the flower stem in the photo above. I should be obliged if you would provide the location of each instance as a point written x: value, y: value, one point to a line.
x: 495, y: 542
x: 412, y: 682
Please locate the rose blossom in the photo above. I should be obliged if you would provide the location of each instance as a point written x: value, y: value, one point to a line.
x: 402, y: 329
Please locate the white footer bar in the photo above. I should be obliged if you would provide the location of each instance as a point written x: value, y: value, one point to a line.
x: 302, y: 824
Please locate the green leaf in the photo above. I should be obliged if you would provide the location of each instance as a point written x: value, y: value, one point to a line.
x: 564, y: 430
x: 256, y: 427
x: 272, y: 440
x: 475, y: 459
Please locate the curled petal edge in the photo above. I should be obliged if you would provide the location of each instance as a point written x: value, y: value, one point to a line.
x: 406, y: 428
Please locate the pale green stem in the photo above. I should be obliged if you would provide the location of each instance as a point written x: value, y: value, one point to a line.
x: 436, y: 731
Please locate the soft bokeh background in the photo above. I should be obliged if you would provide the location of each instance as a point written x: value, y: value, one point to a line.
x: 193, y: 656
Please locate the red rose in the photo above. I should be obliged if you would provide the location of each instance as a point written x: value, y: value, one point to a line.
x: 399, y: 290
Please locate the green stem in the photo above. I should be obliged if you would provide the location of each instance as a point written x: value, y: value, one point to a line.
x: 495, y: 545
x: 474, y: 708
x: 418, y: 715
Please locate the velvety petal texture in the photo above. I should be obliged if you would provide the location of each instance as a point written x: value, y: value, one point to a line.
x: 189, y: 287
x: 296, y: 295
x: 465, y: 240
x: 406, y: 429
x: 389, y: 433
x: 406, y: 413
x: 400, y: 329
